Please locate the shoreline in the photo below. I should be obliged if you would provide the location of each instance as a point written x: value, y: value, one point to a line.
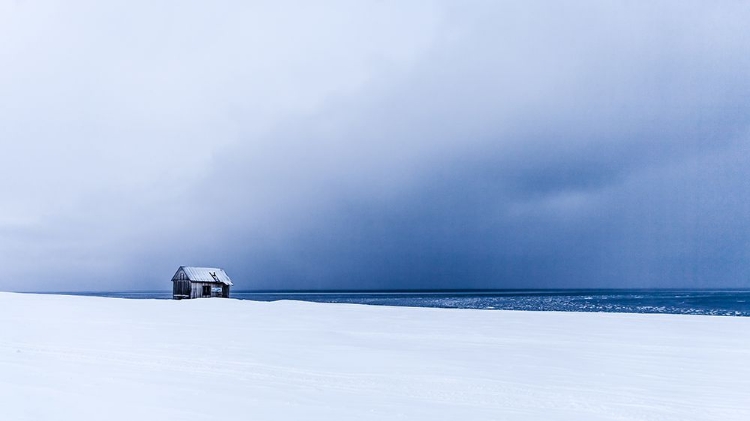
x: 693, y: 302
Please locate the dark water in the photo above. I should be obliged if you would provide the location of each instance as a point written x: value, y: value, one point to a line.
x: 714, y: 302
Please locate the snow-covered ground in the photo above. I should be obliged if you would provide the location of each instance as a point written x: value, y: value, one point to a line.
x: 88, y: 358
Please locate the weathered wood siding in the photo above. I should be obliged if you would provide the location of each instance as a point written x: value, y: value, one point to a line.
x: 196, y: 290
x: 214, y: 289
x: 180, y: 289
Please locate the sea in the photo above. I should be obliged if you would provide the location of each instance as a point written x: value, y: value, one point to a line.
x: 699, y: 302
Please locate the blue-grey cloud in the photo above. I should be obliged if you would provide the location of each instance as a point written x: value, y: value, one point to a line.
x: 492, y: 146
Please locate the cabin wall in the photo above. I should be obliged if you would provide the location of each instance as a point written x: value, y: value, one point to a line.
x: 196, y: 290
x: 183, y: 289
x: 216, y: 290
x: 180, y: 289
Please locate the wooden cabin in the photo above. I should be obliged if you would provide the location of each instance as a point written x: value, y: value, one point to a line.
x: 194, y: 282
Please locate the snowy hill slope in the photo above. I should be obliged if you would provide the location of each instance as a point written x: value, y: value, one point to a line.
x: 88, y: 358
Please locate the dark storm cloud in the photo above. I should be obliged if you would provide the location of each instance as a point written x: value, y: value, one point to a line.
x: 592, y: 183
x: 524, y: 146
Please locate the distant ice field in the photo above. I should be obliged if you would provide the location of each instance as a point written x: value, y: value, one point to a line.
x: 699, y: 302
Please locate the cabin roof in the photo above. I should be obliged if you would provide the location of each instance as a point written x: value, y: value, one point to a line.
x: 197, y: 274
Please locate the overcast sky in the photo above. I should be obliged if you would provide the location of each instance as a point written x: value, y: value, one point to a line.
x: 374, y: 145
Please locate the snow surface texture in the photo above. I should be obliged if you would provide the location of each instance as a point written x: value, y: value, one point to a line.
x: 89, y: 358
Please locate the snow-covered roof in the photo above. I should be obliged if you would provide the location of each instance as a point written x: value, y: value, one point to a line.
x: 197, y: 274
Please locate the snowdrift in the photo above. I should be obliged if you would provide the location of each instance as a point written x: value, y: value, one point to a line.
x: 88, y: 358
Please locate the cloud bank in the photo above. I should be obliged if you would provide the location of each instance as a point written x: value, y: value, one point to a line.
x: 375, y: 146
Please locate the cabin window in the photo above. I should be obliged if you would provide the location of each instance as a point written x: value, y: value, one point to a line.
x: 206, y: 290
